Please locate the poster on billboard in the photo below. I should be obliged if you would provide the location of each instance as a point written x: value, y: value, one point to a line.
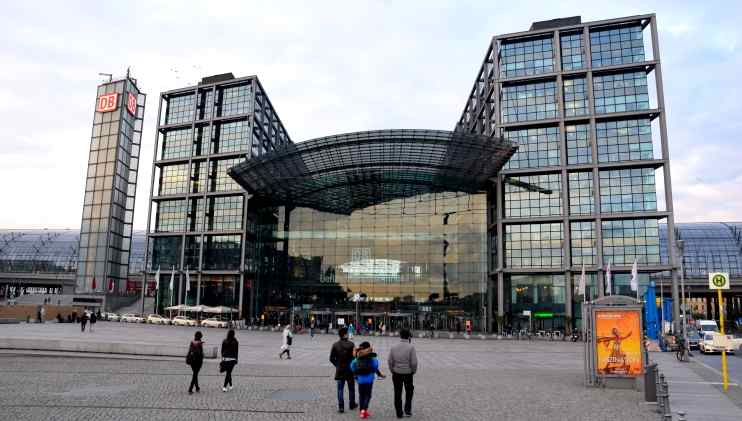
x: 618, y: 350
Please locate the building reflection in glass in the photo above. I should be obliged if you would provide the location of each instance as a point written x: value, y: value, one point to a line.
x: 420, y: 259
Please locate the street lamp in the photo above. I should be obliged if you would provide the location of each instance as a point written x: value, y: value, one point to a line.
x: 681, y: 247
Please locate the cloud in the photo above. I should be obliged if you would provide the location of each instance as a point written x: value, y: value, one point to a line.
x: 328, y: 67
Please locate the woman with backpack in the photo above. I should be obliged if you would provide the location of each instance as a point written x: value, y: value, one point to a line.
x: 195, y: 359
x: 365, y: 367
x: 230, y: 348
x: 288, y: 339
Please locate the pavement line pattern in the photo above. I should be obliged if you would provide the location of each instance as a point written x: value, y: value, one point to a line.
x: 692, y: 382
x: 153, y: 408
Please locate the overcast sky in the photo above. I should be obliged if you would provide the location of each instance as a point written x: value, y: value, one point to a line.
x: 328, y: 67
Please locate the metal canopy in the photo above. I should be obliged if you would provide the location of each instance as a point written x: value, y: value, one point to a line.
x: 352, y: 171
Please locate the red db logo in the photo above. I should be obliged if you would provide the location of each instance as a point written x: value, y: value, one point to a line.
x: 131, y: 104
x: 107, y: 102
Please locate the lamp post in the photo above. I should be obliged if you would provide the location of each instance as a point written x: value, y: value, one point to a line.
x: 680, y: 248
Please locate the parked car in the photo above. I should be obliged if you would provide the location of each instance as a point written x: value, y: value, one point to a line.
x: 707, y: 344
x: 132, y: 318
x: 213, y: 322
x: 156, y: 319
x: 183, y: 321
x: 693, y: 340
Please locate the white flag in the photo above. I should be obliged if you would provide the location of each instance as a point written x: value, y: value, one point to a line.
x: 172, y: 278
x: 634, y: 277
x: 188, y: 281
x: 157, y: 279
x: 581, y: 285
x: 608, y: 285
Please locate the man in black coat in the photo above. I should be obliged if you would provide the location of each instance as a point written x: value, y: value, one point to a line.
x: 341, y: 356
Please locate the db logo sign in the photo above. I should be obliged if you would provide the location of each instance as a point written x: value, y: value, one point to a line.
x: 131, y: 104
x: 107, y: 102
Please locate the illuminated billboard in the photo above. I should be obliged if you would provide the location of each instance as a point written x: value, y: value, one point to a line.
x: 618, y: 342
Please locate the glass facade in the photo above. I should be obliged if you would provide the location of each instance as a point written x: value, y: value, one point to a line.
x: 575, y: 97
x: 579, y: 149
x: 628, y: 190
x: 581, y: 193
x: 626, y: 240
x: 583, y: 124
x: 624, y: 140
x: 620, y: 92
x: 537, y: 147
x: 523, y: 203
x: 416, y: 260
x: 534, y: 245
x: 573, y: 51
x: 108, y: 207
x: 529, y: 101
x: 199, y: 211
x: 616, y: 45
x: 526, y: 57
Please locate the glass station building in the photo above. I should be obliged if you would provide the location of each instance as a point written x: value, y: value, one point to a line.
x: 554, y: 165
x: 585, y: 104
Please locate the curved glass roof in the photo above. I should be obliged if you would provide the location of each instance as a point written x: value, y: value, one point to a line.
x: 351, y: 171
x: 708, y: 247
x: 53, y: 251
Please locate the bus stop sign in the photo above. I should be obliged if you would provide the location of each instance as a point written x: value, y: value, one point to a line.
x: 718, y: 280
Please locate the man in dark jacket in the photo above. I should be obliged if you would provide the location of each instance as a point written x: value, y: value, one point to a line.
x: 341, y: 356
x: 403, y: 365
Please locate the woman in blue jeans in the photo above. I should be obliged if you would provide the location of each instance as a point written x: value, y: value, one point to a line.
x: 365, y: 367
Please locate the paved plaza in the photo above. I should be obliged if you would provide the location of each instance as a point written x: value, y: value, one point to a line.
x: 457, y: 380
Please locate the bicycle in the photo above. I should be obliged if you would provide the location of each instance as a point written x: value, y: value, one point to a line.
x: 682, y: 353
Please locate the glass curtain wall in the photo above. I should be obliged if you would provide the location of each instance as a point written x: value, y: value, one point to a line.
x: 419, y: 261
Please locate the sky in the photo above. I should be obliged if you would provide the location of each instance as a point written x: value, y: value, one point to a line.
x: 329, y: 67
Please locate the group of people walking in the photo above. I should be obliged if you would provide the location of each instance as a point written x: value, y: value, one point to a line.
x: 361, y: 365
x: 352, y: 365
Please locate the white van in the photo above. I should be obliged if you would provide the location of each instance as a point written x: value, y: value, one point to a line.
x: 707, y: 326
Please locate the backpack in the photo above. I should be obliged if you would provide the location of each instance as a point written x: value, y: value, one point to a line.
x: 289, y: 340
x: 363, y: 366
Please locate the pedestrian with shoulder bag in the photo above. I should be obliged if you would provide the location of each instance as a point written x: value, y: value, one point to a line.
x: 195, y: 358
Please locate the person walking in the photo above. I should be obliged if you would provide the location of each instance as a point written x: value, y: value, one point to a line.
x: 403, y: 365
x: 93, y: 319
x: 230, y: 349
x: 365, y: 367
x: 288, y: 339
x: 83, y: 320
x: 341, y: 356
x: 195, y: 359
x: 351, y: 329
x: 311, y: 328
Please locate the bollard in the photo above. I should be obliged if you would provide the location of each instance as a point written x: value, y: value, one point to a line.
x: 681, y: 416
x: 650, y: 383
x: 666, y: 393
x: 661, y: 394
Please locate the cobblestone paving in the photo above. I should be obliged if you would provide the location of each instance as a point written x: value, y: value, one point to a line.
x: 458, y: 380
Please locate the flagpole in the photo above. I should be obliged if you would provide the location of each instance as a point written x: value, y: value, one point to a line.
x: 172, y: 276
